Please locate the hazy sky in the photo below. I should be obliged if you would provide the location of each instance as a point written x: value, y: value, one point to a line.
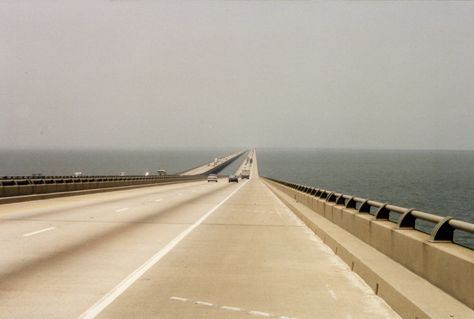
x: 151, y: 74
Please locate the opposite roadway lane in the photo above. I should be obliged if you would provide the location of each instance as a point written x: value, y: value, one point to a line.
x: 191, y: 250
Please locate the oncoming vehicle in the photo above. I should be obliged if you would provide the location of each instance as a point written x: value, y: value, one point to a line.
x: 212, y: 178
x: 233, y: 178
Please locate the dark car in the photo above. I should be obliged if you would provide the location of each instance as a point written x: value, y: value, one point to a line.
x: 233, y: 178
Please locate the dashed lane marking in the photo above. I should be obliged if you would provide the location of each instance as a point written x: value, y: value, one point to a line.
x: 203, y: 303
x: 121, y: 210
x: 38, y: 231
x: 259, y: 313
x: 113, y: 294
x: 231, y: 308
x: 179, y: 299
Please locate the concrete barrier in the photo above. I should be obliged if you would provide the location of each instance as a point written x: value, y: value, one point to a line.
x: 51, y: 188
x: 444, y: 264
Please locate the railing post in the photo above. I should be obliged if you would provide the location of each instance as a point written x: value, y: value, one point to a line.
x: 364, y: 207
x: 351, y: 203
x: 443, y: 231
x: 340, y: 200
x: 407, y: 220
x: 331, y: 197
x: 382, y: 213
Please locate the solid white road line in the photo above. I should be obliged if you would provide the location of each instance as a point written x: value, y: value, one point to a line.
x: 113, y: 294
x: 38, y: 231
x: 121, y: 209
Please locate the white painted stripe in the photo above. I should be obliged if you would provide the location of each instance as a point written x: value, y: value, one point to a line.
x: 203, y: 303
x: 121, y: 210
x: 259, y: 313
x: 113, y: 294
x: 38, y: 231
x: 179, y: 299
x: 333, y: 295
x: 158, y: 200
x: 231, y: 308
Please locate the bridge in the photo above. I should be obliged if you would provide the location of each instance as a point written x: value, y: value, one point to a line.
x: 261, y: 248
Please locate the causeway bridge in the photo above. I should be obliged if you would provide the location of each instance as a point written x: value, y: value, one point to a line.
x: 179, y: 247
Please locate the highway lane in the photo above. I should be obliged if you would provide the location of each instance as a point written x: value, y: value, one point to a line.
x: 252, y: 258
x: 194, y: 250
x: 76, y: 248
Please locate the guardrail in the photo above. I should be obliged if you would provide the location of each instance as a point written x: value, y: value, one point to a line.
x: 442, y: 231
x: 391, y: 230
x: 24, y: 185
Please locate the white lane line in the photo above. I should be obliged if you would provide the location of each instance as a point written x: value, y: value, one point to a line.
x: 203, y: 303
x: 179, y: 299
x: 121, y: 210
x: 38, y: 231
x: 158, y: 200
x: 231, y: 308
x: 259, y: 313
x: 113, y: 294
x: 333, y: 295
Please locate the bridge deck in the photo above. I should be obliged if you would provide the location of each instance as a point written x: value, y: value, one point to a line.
x: 203, y: 169
x: 193, y: 250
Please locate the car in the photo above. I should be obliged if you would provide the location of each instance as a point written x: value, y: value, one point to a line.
x: 245, y: 174
x: 233, y: 178
x: 212, y: 178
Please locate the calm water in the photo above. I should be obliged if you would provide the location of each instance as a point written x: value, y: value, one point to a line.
x: 95, y: 162
x: 438, y: 182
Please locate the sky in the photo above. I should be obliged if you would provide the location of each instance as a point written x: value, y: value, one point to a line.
x: 190, y: 74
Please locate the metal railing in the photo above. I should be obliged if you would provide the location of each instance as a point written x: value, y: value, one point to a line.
x: 443, y: 229
x: 27, y: 185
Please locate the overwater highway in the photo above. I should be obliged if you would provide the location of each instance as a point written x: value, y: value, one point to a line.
x: 189, y: 250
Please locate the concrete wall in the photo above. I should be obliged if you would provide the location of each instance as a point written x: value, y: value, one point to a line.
x: 13, y: 191
x: 444, y: 264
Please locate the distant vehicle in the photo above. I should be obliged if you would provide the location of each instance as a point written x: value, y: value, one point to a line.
x: 245, y: 174
x: 233, y: 178
x: 77, y: 174
x: 161, y: 172
x: 37, y: 175
x: 212, y: 178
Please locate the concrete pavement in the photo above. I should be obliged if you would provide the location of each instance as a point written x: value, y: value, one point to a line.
x: 193, y: 250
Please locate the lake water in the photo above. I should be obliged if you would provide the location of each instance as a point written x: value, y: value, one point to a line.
x: 439, y: 182
x: 103, y: 162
